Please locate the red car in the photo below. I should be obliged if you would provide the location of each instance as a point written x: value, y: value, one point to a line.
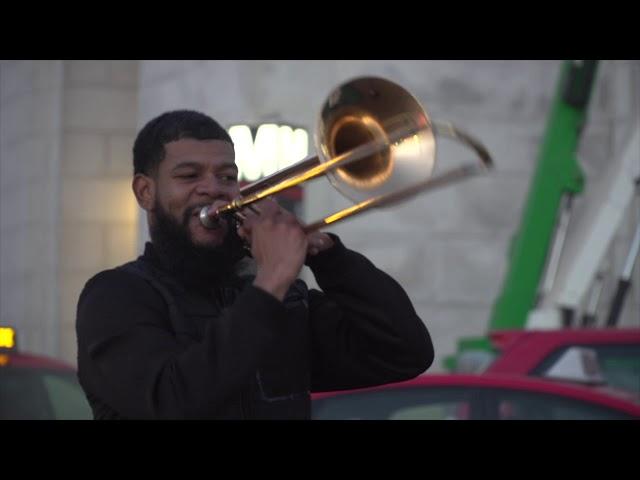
x: 536, y: 352
x: 34, y: 387
x: 474, y: 397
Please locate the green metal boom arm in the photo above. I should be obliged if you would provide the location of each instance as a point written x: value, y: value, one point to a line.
x: 557, y: 173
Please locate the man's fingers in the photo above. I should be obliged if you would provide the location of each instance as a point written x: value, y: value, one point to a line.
x: 319, y: 241
x: 244, y: 233
x: 253, y: 208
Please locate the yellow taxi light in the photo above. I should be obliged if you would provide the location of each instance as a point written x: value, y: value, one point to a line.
x: 7, y: 337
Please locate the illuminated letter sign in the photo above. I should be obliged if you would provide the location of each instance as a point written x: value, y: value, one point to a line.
x: 273, y: 148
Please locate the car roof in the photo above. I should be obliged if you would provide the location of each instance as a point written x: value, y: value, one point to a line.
x: 504, y: 338
x: 516, y: 382
x: 522, y: 350
x: 27, y: 360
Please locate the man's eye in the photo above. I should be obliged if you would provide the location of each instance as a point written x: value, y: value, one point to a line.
x: 229, y: 178
x: 187, y: 175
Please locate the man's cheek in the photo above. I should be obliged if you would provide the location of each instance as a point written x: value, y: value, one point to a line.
x: 187, y: 217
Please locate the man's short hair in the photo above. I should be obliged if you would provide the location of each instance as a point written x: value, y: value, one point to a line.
x: 148, y: 148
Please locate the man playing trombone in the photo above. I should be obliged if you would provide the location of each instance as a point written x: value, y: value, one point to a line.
x: 183, y: 332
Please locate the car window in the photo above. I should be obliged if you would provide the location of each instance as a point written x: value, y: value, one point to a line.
x: 397, y: 404
x: 504, y: 404
x: 67, y: 399
x: 620, y: 364
x: 38, y: 394
x: 22, y: 396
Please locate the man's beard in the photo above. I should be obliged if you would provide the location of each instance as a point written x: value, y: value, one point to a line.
x: 195, y: 265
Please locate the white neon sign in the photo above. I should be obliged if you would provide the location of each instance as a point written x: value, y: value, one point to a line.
x: 274, y: 148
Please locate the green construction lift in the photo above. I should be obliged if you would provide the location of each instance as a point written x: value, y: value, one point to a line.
x: 557, y: 176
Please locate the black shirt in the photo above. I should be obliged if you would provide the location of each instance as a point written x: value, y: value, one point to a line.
x: 158, y: 349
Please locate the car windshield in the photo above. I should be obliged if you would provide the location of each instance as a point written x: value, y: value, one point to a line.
x: 461, y: 403
x: 396, y: 404
x: 41, y: 394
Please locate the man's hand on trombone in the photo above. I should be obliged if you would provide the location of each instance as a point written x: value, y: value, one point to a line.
x: 279, y: 245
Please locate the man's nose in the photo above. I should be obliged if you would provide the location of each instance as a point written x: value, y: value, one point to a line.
x: 215, y: 189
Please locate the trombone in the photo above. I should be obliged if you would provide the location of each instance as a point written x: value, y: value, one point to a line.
x: 373, y: 138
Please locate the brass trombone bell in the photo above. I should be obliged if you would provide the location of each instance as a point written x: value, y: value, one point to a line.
x: 373, y: 138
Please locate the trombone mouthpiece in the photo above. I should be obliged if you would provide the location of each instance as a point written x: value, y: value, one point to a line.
x: 205, y: 219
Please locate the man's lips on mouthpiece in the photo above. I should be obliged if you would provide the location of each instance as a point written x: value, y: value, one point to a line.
x: 213, y: 221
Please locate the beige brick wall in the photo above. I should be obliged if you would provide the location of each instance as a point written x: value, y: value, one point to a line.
x: 67, y: 210
x: 98, y: 210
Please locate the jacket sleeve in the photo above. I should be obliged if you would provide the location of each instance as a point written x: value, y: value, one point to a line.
x: 129, y: 357
x: 365, y: 330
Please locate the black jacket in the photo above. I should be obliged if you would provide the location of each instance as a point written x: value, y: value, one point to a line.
x: 150, y: 348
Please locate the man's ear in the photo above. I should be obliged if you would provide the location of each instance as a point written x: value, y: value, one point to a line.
x: 144, y: 188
